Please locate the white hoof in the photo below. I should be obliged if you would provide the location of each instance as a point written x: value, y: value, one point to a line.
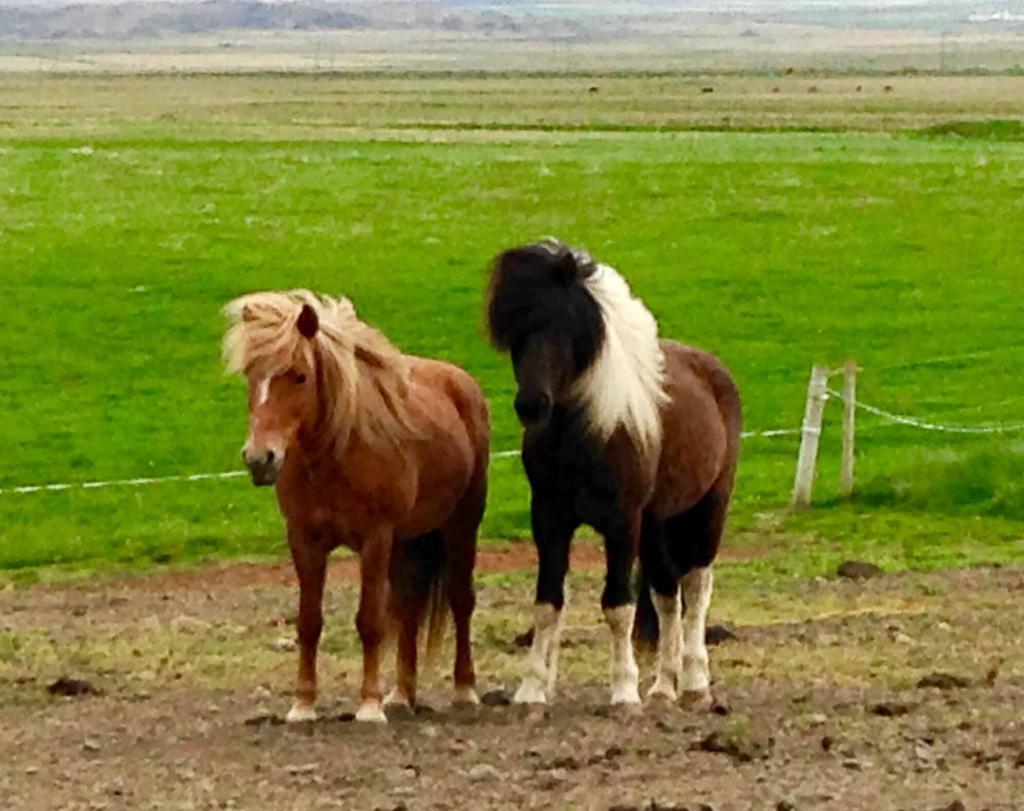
x: 625, y: 694
x: 530, y: 692
x: 370, y: 712
x: 300, y: 712
x: 466, y: 695
x: 397, y: 699
x: 662, y: 689
x: 696, y: 676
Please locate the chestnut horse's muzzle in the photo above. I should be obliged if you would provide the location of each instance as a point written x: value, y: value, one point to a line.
x: 263, y: 466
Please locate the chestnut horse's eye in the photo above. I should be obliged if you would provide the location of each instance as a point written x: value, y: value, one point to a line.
x: 300, y: 378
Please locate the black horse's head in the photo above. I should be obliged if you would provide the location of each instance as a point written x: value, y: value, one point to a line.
x: 540, y: 311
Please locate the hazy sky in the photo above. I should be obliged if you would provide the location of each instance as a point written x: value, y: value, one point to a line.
x: 540, y: 5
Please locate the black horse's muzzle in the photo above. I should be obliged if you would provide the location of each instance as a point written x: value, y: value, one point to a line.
x: 533, y: 410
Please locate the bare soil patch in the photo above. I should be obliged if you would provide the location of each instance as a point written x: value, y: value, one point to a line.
x: 826, y: 705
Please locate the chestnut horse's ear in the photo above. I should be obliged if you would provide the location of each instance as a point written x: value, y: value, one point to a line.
x: 308, y: 323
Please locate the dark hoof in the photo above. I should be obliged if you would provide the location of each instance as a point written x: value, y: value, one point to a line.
x: 626, y: 710
x: 533, y: 713
x: 399, y: 712
x: 696, y: 700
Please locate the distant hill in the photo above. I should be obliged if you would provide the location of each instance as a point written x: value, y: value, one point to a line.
x: 22, y: 20
x: 146, y: 19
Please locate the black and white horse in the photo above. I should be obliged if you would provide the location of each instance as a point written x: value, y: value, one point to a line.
x: 635, y: 436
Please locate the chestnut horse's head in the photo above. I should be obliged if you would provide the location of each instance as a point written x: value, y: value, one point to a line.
x: 578, y: 338
x: 316, y: 374
x: 282, y: 380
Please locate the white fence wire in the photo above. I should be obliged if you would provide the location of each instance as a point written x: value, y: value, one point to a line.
x: 27, y: 489
x: 890, y: 416
x: 927, y: 425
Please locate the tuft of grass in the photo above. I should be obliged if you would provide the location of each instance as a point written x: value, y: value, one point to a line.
x: 990, y: 129
x: 963, y: 481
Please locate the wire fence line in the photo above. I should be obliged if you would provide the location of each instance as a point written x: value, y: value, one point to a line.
x: 890, y: 416
x: 927, y: 425
x: 140, y: 481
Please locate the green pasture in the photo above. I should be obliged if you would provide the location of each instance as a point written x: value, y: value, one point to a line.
x: 774, y: 250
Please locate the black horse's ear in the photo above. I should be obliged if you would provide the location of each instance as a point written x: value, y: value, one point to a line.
x: 308, y: 323
x: 564, y: 267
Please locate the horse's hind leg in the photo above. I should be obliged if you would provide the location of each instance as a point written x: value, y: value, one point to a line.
x: 460, y: 537
x: 462, y: 597
x: 413, y: 567
x: 696, y: 677
x: 694, y: 538
x: 663, y: 577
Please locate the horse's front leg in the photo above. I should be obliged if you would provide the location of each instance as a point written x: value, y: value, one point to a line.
x: 372, y: 620
x: 310, y: 561
x: 619, y: 610
x: 552, y: 534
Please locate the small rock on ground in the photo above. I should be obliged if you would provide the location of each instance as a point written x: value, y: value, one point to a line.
x: 890, y: 709
x: 483, y: 772
x: 264, y: 719
x: 496, y: 698
x: 67, y: 686
x: 717, y: 634
x: 741, y: 750
x: 944, y: 681
x: 857, y: 570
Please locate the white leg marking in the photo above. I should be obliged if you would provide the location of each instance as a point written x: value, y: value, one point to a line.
x: 553, y: 648
x: 670, y: 645
x: 625, y: 676
x: 396, y: 698
x: 697, y: 588
x: 537, y: 675
x: 466, y: 695
x: 300, y: 712
x: 371, y: 712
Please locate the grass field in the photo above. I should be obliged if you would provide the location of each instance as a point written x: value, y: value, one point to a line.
x: 131, y: 210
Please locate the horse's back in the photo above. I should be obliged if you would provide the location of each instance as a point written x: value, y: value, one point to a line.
x: 462, y: 391
x: 700, y: 429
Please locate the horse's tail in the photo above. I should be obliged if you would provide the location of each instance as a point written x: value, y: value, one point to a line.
x: 645, y: 626
x: 438, y: 603
x: 419, y: 583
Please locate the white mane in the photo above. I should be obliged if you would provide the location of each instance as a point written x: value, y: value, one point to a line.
x: 625, y: 383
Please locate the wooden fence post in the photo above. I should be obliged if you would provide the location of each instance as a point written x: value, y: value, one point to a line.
x: 810, y: 434
x: 849, y: 425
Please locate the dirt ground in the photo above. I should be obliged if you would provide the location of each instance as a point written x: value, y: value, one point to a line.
x: 819, y: 701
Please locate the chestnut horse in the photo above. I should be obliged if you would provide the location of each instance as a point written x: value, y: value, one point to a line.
x: 382, y: 452
x: 635, y: 436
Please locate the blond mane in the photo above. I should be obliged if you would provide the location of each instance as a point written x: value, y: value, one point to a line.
x: 625, y: 385
x: 366, y: 393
